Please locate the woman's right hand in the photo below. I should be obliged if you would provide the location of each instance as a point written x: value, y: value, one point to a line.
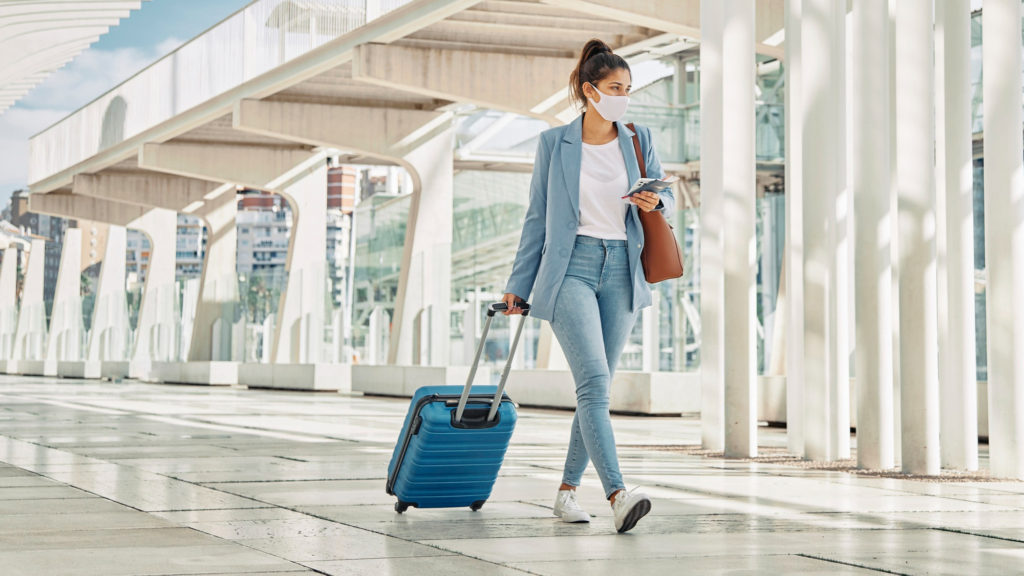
x: 512, y: 302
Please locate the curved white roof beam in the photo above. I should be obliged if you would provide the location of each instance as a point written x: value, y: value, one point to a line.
x: 10, y: 93
x: 14, y: 7
x: 18, y: 48
x: 12, y: 32
x: 38, y: 37
x: 51, y: 57
x: 19, y: 18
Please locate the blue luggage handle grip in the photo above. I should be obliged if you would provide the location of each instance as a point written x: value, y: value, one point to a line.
x: 501, y: 307
x: 491, y: 310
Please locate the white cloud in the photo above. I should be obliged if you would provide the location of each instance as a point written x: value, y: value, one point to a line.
x: 16, y: 126
x: 89, y: 76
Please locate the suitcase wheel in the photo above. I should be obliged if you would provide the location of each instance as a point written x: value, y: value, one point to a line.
x: 477, y: 505
x: 401, y: 506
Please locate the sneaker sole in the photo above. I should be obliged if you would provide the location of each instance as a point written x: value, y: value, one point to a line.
x: 567, y: 521
x: 580, y: 521
x: 634, y: 515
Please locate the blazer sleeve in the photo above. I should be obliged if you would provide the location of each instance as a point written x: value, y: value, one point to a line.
x: 654, y: 170
x: 527, y: 262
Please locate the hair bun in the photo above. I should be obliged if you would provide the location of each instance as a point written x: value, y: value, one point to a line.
x: 594, y: 47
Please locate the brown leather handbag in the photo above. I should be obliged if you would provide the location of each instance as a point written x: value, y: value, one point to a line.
x: 662, y: 258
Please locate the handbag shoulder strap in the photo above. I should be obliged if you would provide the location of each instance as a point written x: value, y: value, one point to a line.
x: 639, y: 154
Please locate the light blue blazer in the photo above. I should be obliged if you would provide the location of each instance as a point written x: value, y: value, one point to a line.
x: 549, y: 230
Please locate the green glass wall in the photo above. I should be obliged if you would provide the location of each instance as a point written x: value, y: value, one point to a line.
x: 380, y: 224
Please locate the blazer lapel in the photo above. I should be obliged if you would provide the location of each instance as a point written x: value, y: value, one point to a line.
x: 571, y: 151
x: 632, y: 166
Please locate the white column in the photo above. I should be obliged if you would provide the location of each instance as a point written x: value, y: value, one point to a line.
x: 651, y: 339
x: 873, y: 222
x: 958, y: 395
x: 470, y: 329
x: 218, y: 291
x: 841, y: 307
x: 826, y: 369
x: 1004, y: 235
x: 712, y: 226
x: 302, y: 303
x: 549, y: 354
x: 772, y: 298
x: 425, y: 277
x: 895, y: 233
x: 28, y: 341
x: 740, y: 252
x: 378, y: 336
x: 108, y: 337
x: 728, y: 27
x: 160, y: 227
x: 915, y: 173
x: 187, y: 293
x: 8, y: 301
x: 793, y: 263
x: 65, y: 334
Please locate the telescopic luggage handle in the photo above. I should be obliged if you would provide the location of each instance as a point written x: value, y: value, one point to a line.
x: 496, y: 402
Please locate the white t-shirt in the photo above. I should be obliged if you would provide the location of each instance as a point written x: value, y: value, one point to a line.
x: 603, y: 182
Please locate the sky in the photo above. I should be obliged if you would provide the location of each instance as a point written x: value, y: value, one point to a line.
x: 146, y: 35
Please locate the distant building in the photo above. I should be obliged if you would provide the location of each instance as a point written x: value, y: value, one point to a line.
x: 190, y: 246
x: 137, y: 258
x: 52, y: 228
x: 339, y: 225
x: 263, y: 222
x: 375, y: 180
x: 343, y: 183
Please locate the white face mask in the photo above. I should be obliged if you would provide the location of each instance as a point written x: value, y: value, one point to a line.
x: 611, y: 108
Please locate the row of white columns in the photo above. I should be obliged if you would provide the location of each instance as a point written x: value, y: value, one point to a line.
x: 891, y: 238
x: 25, y: 330
x: 185, y: 172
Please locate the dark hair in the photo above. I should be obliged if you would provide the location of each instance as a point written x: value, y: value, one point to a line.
x: 596, y: 61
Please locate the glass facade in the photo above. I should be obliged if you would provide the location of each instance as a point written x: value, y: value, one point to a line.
x: 380, y: 224
x: 489, y: 207
x: 978, y: 127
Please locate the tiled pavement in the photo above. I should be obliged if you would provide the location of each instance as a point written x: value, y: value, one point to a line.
x: 129, y: 478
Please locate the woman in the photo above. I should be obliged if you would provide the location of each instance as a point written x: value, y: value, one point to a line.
x: 580, y: 256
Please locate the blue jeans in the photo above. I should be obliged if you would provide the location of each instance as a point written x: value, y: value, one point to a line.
x: 592, y: 321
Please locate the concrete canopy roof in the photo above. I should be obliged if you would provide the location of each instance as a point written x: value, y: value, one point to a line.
x: 426, y: 57
x: 38, y: 37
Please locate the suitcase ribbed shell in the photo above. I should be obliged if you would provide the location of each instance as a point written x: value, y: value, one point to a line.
x: 436, y: 463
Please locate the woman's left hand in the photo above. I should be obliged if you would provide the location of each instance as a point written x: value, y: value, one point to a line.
x: 645, y: 200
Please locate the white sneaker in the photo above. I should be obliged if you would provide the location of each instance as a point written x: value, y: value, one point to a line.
x: 629, y: 508
x: 568, y: 509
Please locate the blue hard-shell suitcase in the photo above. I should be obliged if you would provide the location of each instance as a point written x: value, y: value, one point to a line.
x: 454, y: 439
